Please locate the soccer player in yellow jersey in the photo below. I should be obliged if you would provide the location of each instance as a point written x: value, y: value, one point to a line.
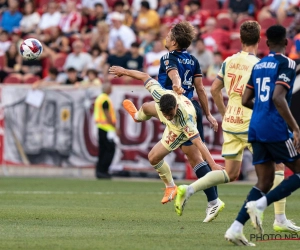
x: 178, y: 114
x: 234, y: 76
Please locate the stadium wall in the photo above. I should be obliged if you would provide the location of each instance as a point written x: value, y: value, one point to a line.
x: 59, y: 138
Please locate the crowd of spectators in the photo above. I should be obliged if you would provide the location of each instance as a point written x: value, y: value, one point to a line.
x: 82, y: 38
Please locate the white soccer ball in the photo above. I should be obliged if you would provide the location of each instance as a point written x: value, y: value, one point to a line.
x: 31, y: 49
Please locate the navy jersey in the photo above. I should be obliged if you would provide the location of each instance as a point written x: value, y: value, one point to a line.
x: 266, y: 124
x: 188, y: 68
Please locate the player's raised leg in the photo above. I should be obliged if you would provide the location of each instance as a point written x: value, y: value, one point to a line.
x: 156, y: 159
x: 232, y: 151
x: 144, y: 113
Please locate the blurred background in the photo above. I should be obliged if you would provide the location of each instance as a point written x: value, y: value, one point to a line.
x: 81, y: 40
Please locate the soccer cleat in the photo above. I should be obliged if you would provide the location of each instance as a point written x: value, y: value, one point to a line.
x: 213, y: 211
x: 256, y: 216
x: 287, y: 226
x: 181, y: 199
x: 130, y: 108
x: 170, y: 193
x: 238, y: 239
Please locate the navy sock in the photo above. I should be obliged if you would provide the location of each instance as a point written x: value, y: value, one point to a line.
x: 216, y: 188
x: 284, y: 189
x: 202, y: 169
x: 254, y: 195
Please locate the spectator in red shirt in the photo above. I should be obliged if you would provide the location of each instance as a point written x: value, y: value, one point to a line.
x: 70, y: 22
x: 192, y: 13
x: 173, y: 15
x: 215, y: 39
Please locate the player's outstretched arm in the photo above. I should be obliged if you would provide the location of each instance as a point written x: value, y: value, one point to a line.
x: 204, y: 102
x: 120, y: 71
x: 283, y: 109
x: 206, y: 154
x: 247, y: 99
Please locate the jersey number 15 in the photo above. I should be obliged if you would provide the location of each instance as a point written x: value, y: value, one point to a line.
x: 263, y: 88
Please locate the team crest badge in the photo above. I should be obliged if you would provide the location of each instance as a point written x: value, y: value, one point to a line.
x: 166, y: 62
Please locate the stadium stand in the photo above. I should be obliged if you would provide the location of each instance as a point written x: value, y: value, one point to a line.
x: 58, y: 43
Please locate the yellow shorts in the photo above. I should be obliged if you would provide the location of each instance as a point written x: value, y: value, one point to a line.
x: 234, y: 145
x: 172, y: 137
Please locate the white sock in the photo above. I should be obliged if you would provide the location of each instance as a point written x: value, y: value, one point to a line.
x: 237, y: 226
x: 190, y: 191
x: 212, y: 203
x: 262, y: 204
x: 171, y: 184
x: 280, y: 218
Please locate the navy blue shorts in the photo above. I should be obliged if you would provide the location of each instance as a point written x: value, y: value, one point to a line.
x: 199, y: 122
x: 279, y: 152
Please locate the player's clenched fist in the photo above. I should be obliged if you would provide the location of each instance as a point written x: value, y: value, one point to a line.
x: 178, y: 89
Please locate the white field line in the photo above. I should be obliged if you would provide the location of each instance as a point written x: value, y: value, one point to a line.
x: 73, y: 193
x: 100, y: 193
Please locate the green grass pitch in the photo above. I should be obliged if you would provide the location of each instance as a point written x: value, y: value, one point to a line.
x: 89, y: 214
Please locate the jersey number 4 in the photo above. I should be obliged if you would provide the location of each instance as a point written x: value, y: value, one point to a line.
x: 234, y: 84
x: 263, y: 88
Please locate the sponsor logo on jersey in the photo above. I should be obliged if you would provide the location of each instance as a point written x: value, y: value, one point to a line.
x: 186, y: 61
x: 284, y: 78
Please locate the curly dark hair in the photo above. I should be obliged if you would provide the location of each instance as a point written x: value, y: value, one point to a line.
x: 276, y: 35
x: 166, y: 103
x: 183, y: 34
x: 250, y: 32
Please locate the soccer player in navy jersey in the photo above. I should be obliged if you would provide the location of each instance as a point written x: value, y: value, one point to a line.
x: 178, y: 63
x: 271, y: 84
x: 180, y: 71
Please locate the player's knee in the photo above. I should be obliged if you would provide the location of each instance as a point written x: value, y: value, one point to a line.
x: 279, y: 167
x: 194, y: 159
x: 146, y: 108
x: 265, y: 185
x: 233, y: 176
x: 153, y: 159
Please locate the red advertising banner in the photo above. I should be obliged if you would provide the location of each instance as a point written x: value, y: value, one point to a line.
x: 61, y: 132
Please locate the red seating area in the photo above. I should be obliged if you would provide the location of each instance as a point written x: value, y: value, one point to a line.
x: 17, y: 79
x: 225, y: 35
